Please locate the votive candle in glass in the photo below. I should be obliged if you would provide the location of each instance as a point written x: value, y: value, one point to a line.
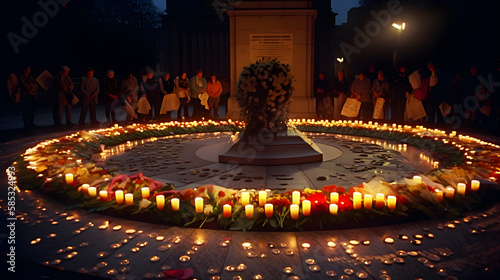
x: 175, y: 204
x: 268, y: 208
x: 450, y: 192
x: 474, y: 185
x: 249, y: 211
x: 334, y: 209
x: 198, y: 204
x: 306, y: 207
x: 92, y: 191
x: 296, y: 197
x: 334, y: 197
x: 439, y: 195
x: 226, y: 210
x: 417, y: 179
x: 294, y: 211
x: 262, y: 198
x: 461, y: 188
x: 379, y: 200
x: 356, y: 200
x: 119, y: 197
x: 85, y: 188
x: 391, y: 202
x: 160, y: 201
x: 103, y: 195
x: 245, y: 198
x: 145, y: 192
x: 129, y: 199
x: 368, y: 201
x: 69, y: 178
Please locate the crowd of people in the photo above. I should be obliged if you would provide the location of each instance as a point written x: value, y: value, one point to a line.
x: 148, y: 99
x: 411, y: 95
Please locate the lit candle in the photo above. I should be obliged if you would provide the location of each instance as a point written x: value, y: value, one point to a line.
x: 226, y: 211
x: 439, y: 195
x: 119, y: 197
x: 262, y: 198
x: 294, y: 211
x: 296, y: 197
x: 269, y: 210
x: 334, y: 209
x: 461, y: 188
x: 334, y: 197
x: 450, y: 192
x: 85, y: 188
x: 356, y: 200
x: 306, y: 207
x: 69, y: 178
x: 92, y: 191
x: 249, y: 211
x: 379, y: 200
x: 368, y: 201
x: 198, y: 203
x: 391, y: 202
x: 145, y: 192
x: 474, y: 185
x: 175, y: 203
x: 417, y: 179
x: 245, y: 198
x: 103, y: 195
x: 129, y: 199
x: 160, y: 201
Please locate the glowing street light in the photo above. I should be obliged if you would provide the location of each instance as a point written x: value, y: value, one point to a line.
x: 399, y: 27
x: 396, y: 55
x: 340, y: 59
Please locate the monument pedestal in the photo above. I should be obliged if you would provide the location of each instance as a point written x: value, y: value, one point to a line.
x: 267, y: 149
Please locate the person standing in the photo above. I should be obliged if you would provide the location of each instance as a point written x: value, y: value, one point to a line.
x: 111, y: 88
x: 89, y: 86
x: 169, y: 88
x: 130, y: 88
x: 340, y: 90
x: 155, y: 92
x: 64, y: 87
x: 324, y: 107
x: 380, y: 89
x: 182, y: 89
x: 361, y: 90
x: 198, y: 86
x: 401, y: 88
x: 472, y: 85
x: 29, y: 89
x: 214, y: 90
x: 435, y: 95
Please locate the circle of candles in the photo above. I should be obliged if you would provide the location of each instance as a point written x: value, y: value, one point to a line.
x: 334, y: 197
x: 368, y: 201
x: 198, y: 204
x: 69, y: 178
x: 391, y: 202
x: 306, y: 207
x: 294, y: 211
x: 439, y: 195
x: 417, y: 179
x: 85, y: 188
x: 262, y: 198
x: 296, y: 197
x: 334, y: 209
x: 145, y: 192
x: 379, y: 200
x: 103, y: 195
x: 249, y: 211
x: 245, y: 198
x: 226, y: 211
x: 92, y: 191
x: 356, y: 200
x: 175, y: 203
x: 129, y: 199
x: 461, y: 188
x: 119, y: 197
x: 160, y: 201
x: 450, y: 192
x: 269, y: 210
x: 474, y: 185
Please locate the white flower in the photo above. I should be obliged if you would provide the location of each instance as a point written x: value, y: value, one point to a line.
x: 208, y: 209
x: 144, y: 203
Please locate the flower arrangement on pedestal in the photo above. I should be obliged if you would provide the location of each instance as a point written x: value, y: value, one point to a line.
x: 264, y: 92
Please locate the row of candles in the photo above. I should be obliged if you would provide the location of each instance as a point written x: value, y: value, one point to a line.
x: 358, y: 200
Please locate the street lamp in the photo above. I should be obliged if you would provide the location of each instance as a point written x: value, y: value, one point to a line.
x: 340, y: 60
x: 396, y: 55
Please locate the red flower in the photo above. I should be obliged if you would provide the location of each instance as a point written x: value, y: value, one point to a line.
x: 340, y: 190
x: 329, y: 189
x: 221, y: 194
x: 188, y: 194
x: 401, y: 199
x: 318, y: 203
x: 280, y: 203
x: 344, y: 203
x: 431, y: 189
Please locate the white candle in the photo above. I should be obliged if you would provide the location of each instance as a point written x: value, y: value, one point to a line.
x: 85, y: 188
x: 103, y: 195
x: 129, y: 199
x: 450, y: 192
x: 145, y: 192
x: 160, y: 201
x: 198, y: 204
x: 245, y: 198
x: 306, y: 207
x: 368, y: 201
x: 391, y: 202
x: 249, y: 211
x: 269, y: 210
x: 226, y: 211
x: 175, y: 203
x: 461, y: 188
x: 69, y: 178
x: 334, y: 209
x: 439, y: 195
x: 262, y: 198
x: 296, y: 197
x: 334, y: 197
x: 294, y: 211
x: 356, y: 200
x: 92, y: 191
x: 417, y: 179
x: 119, y: 197
x: 474, y: 185
x: 379, y: 200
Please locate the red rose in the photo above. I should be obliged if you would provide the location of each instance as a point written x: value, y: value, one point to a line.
x: 344, y: 203
x: 318, y: 203
x: 221, y: 194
